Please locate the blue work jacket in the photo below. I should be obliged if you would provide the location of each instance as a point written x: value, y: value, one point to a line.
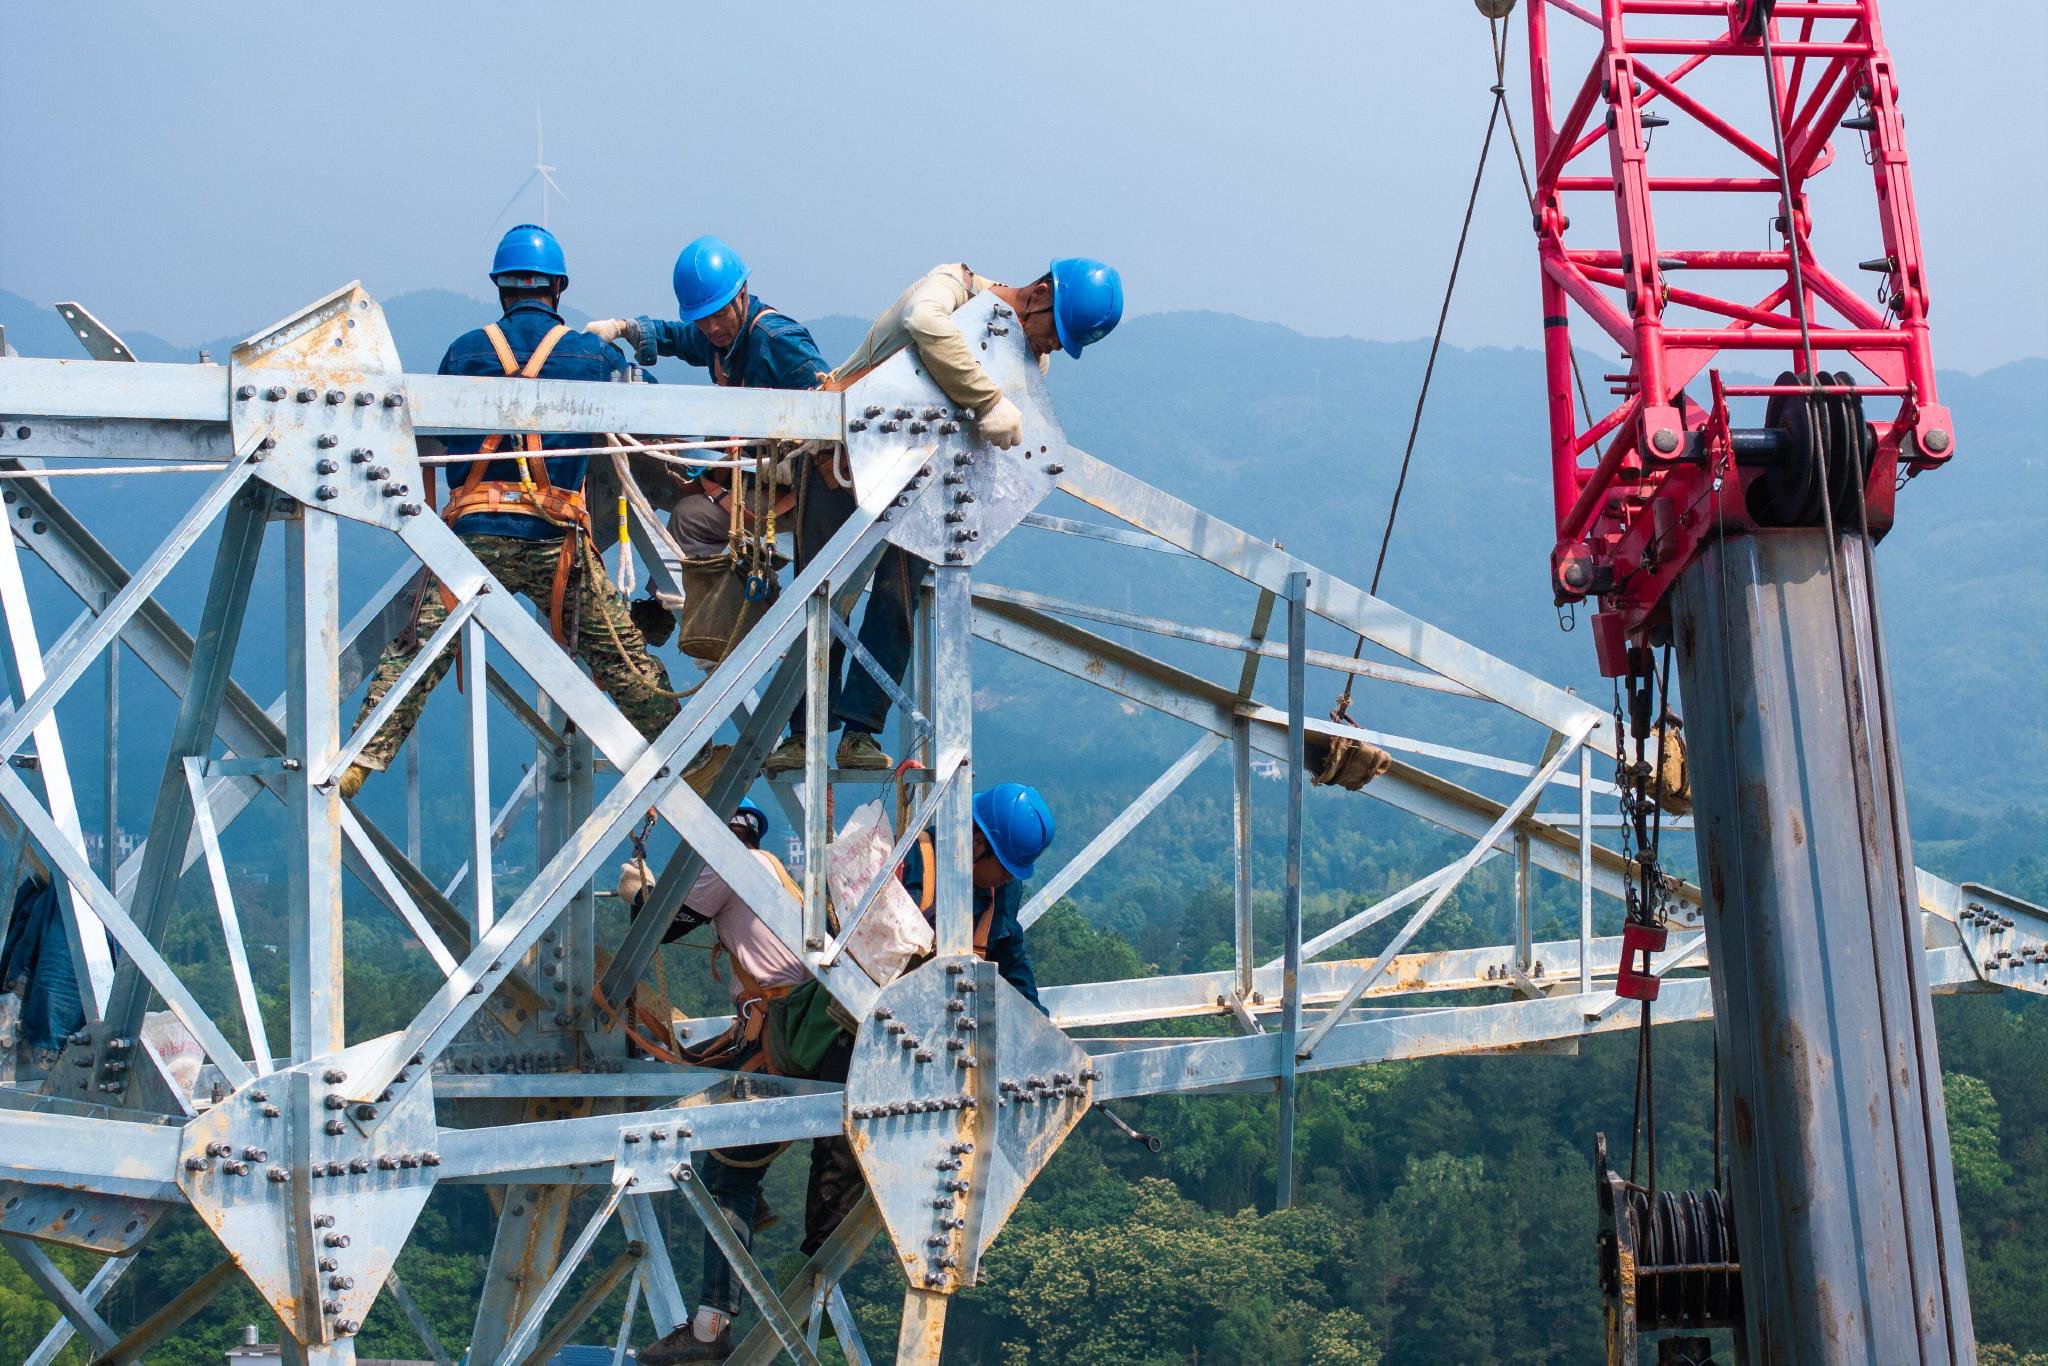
x: 771, y: 352
x: 1006, y: 947
x: 579, y: 355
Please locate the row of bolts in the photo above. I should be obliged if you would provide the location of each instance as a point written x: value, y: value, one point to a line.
x: 1976, y: 914
x: 361, y: 455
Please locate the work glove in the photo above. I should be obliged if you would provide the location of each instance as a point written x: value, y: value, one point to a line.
x: 634, y: 879
x: 612, y: 329
x: 1003, y: 425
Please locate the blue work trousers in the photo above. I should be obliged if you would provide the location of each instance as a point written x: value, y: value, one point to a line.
x: 885, y: 632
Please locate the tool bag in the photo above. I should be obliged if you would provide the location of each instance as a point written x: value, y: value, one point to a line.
x: 716, y: 610
x: 1343, y: 761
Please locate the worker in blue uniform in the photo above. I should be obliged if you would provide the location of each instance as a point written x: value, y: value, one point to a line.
x: 745, y: 343
x: 1013, y: 825
x: 521, y: 511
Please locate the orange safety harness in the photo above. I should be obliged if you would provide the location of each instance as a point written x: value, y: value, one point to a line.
x: 928, y: 893
x: 532, y: 495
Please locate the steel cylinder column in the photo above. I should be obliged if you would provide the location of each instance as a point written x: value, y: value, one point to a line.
x: 1843, y: 1193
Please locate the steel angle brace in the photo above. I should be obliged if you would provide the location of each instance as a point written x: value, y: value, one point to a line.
x: 647, y: 772
x: 92, y: 962
x: 1203, y: 1064
x: 230, y: 923
x: 677, y: 876
x: 76, y: 1308
x: 1159, y: 513
x: 114, y: 1157
x: 1095, y: 531
x: 65, y: 668
x: 1506, y: 820
x: 515, y: 802
x: 171, y: 825
x: 1142, y: 679
x: 71, y: 863
x: 514, y: 1151
x: 827, y: 1266
x: 408, y: 679
x: 843, y: 633
x: 665, y: 1302
x: 786, y: 1329
x: 626, y: 1264
x: 524, y: 1336
x: 1251, y: 646
x: 421, y: 1329
x: 94, y: 1291
x: 1143, y: 805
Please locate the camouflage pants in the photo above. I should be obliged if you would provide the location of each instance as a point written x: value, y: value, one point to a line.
x: 635, y: 680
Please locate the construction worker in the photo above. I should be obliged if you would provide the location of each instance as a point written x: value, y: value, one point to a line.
x: 1074, y: 304
x: 1012, y: 827
x: 781, y: 1025
x: 523, y: 517
x: 743, y: 342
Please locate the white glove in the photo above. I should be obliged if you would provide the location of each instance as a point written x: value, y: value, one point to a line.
x: 1003, y: 425
x: 611, y: 329
x: 634, y: 878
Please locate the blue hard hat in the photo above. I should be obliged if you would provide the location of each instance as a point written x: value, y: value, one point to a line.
x: 529, y: 250
x: 709, y: 274
x: 1087, y: 301
x: 1017, y: 824
x: 753, y: 815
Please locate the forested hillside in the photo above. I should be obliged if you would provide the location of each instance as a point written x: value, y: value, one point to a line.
x: 1447, y: 1208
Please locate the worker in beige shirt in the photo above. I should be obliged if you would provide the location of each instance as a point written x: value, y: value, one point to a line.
x: 1074, y: 304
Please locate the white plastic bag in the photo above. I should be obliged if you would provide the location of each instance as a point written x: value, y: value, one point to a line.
x: 892, y: 933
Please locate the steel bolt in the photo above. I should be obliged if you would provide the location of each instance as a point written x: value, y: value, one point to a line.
x: 365, y: 398
x: 956, y: 556
x: 430, y: 1158
x: 884, y: 1013
x: 377, y: 472
x: 943, y: 1202
x: 359, y: 456
x: 387, y: 1163
x: 892, y: 425
x: 195, y: 1164
x: 323, y: 1221
x: 335, y: 1128
x: 872, y: 410
x: 245, y: 392
x: 274, y: 392
x: 341, y: 1282
x: 327, y: 466
x: 327, y: 441
x: 219, y: 1149
x: 330, y: 1306
x: 278, y: 1175
x: 235, y: 1167
x: 393, y: 400
x: 358, y: 1165
x: 395, y: 490
x: 255, y: 1154
x: 1936, y: 440
x: 335, y: 1240
x: 922, y: 1055
x: 304, y: 396
x: 335, y: 1101
x: 1055, y: 469
x: 335, y: 396
x: 408, y: 1160
x: 408, y: 509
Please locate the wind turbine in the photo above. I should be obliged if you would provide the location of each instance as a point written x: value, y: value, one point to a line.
x: 542, y: 172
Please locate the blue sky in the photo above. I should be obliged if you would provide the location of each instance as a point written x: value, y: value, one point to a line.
x: 197, y: 169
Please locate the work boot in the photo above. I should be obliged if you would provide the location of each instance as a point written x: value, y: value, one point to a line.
x: 858, y: 750
x: 787, y: 758
x: 705, y: 768
x: 352, y: 779
x: 765, y: 1216
x: 682, y: 1345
